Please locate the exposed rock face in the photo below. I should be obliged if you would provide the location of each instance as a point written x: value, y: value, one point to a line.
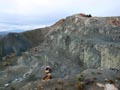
x: 92, y: 41
x: 70, y: 46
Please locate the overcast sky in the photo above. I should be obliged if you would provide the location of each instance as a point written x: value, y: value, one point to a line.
x: 29, y: 14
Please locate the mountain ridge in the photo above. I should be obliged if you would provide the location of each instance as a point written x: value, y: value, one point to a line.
x: 73, y: 47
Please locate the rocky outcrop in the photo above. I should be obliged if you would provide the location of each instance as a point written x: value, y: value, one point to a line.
x: 93, y: 41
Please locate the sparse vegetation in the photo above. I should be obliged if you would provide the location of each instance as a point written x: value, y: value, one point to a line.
x: 81, y: 79
x: 39, y: 87
x: 79, y: 86
x: 118, y: 78
x: 59, y: 81
x: 12, y: 88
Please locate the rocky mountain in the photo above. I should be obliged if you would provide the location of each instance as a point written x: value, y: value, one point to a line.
x: 81, y: 51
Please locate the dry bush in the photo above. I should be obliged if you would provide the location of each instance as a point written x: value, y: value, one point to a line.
x: 118, y: 77
x: 12, y: 88
x: 59, y: 81
x: 79, y: 86
x: 39, y: 87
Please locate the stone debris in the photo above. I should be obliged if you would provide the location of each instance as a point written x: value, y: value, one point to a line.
x: 6, y: 85
x: 107, y: 86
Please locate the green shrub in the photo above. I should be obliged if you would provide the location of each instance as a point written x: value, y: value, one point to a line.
x: 81, y: 79
x: 12, y: 88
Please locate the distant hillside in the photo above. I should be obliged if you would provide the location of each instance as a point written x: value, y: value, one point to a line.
x: 20, y: 42
x: 2, y: 33
x: 14, y: 43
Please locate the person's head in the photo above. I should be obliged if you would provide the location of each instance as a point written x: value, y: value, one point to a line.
x: 47, y: 68
x: 111, y: 82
